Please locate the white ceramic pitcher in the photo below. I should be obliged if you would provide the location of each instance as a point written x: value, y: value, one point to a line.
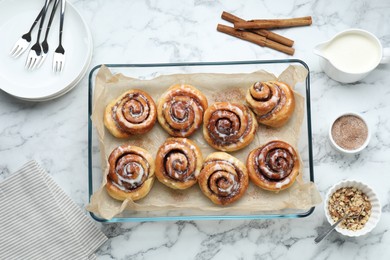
x: 351, y: 55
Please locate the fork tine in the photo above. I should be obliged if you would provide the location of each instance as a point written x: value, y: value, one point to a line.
x: 14, y: 49
x: 19, y: 48
x: 36, y: 63
x: 30, y: 64
x: 19, y: 52
x: 28, y: 61
x: 41, y: 61
x: 55, y: 65
x: 59, y: 65
x: 33, y: 64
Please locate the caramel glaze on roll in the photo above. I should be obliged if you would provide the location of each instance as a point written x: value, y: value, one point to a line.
x: 134, y: 112
x: 180, y: 110
x: 223, y: 178
x: 273, y: 102
x: 229, y: 126
x: 130, y: 174
x: 274, y: 166
x: 178, y: 163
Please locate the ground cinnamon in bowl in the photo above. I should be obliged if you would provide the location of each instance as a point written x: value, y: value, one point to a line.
x: 349, y: 132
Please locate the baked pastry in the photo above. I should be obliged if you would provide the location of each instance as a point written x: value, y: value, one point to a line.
x: 134, y: 112
x: 223, y: 178
x: 274, y: 166
x: 178, y: 163
x: 180, y: 110
x: 229, y: 126
x: 130, y: 173
x: 273, y: 102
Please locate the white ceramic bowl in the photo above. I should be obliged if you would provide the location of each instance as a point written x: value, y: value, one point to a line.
x: 345, y: 151
x: 375, y: 210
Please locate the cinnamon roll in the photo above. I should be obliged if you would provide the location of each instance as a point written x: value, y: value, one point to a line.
x: 180, y: 110
x: 274, y: 166
x: 273, y: 102
x: 130, y: 173
x: 178, y: 163
x: 223, y: 178
x: 134, y: 112
x: 229, y: 126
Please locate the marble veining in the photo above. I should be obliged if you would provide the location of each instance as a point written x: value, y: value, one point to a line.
x: 55, y: 132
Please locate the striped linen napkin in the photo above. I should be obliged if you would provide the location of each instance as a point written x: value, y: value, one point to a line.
x: 39, y: 221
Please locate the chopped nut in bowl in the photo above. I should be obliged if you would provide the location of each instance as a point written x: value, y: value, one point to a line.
x: 358, y: 201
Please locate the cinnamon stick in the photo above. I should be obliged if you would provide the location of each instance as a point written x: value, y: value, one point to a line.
x: 273, y: 23
x: 255, y: 38
x: 265, y: 33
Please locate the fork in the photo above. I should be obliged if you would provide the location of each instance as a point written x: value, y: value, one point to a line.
x: 45, y: 44
x: 35, y: 52
x: 59, y: 53
x: 24, y: 41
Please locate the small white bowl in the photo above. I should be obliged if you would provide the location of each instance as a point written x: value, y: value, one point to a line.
x: 375, y: 207
x: 345, y: 151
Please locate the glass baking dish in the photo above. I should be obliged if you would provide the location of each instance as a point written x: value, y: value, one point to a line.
x: 147, y: 71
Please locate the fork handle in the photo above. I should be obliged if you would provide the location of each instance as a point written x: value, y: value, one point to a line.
x: 42, y: 19
x: 63, y: 2
x: 330, y: 229
x: 37, y: 19
x: 53, y: 11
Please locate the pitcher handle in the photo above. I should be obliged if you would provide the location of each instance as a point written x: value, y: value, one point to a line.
x: 386, y: 55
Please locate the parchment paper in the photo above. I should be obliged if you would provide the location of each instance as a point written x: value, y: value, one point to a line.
x: 216, y: 87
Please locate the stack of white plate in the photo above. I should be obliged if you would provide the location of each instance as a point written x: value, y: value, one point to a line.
x: 16, y: 17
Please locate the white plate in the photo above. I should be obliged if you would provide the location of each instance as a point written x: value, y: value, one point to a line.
x: 16, y: 17
x: 59, y: 94
x: 63, y: 91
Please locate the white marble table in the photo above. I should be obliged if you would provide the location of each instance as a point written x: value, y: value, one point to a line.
x: 55, y: 132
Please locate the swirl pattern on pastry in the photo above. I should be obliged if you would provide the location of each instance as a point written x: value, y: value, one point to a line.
x: 134, y: 112
x: 229, y: 126
x: 223, y: 178
x: 130, y: 173
x: 180, y: 110
x: 178, y: 163
x: 274, y: 166
x: 273, y: 102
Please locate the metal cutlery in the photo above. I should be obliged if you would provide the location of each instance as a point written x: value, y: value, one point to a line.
x: 59, y: 53
x: 36, y: 50
x: 45, y: 44
x: 331, y: 228
x: 24, y: 41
